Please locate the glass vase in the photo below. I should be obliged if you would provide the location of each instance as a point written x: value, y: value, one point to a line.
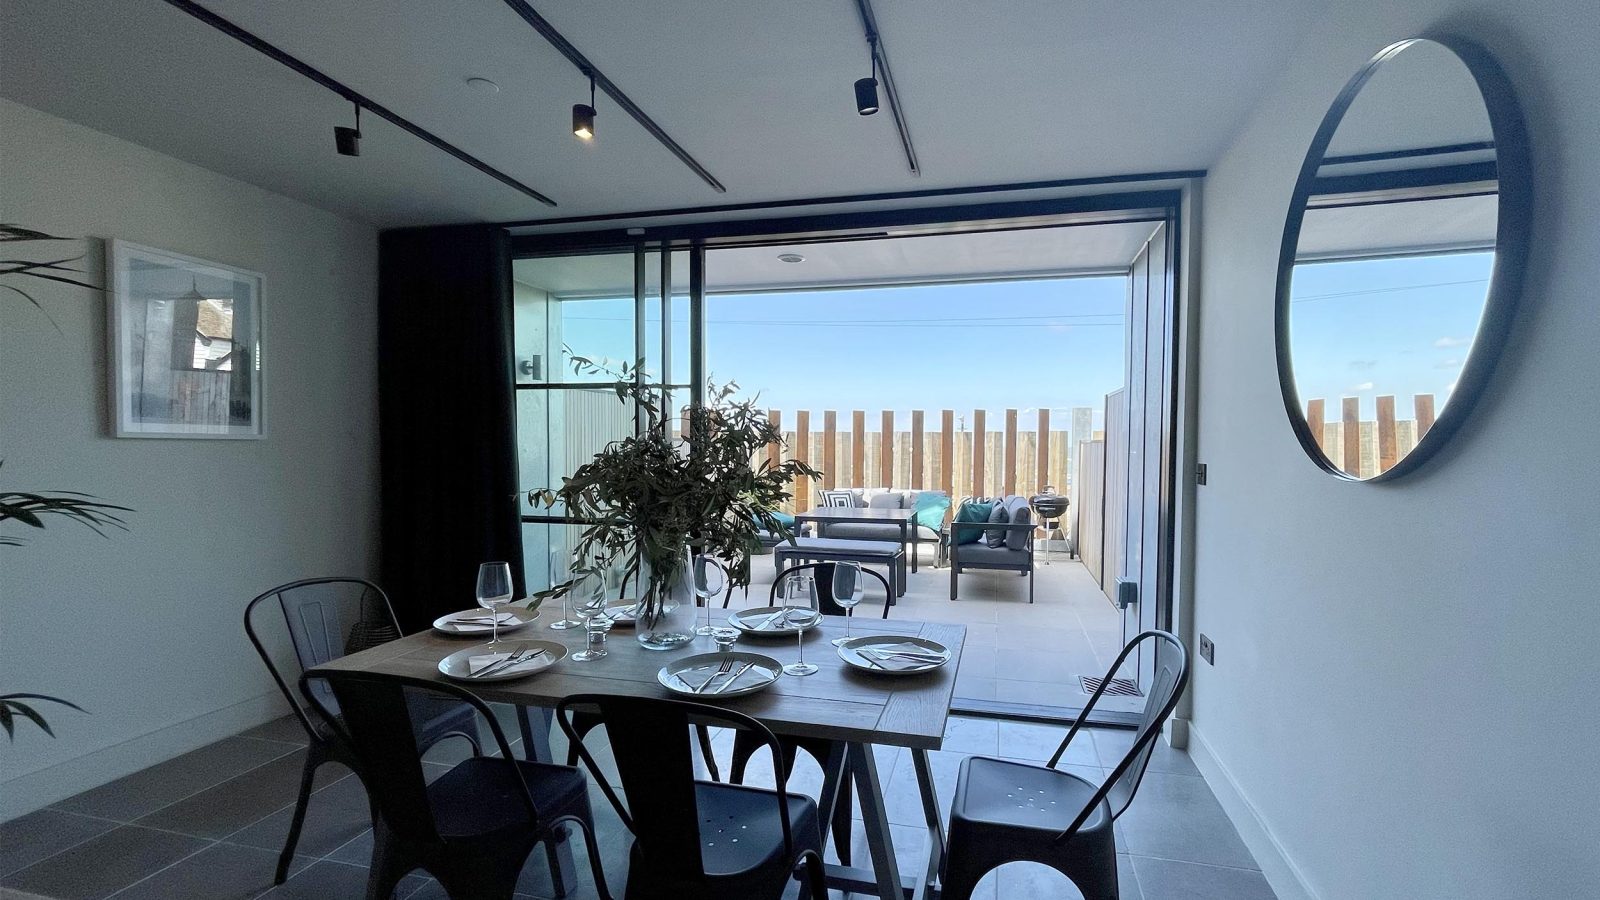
x: 672, y: 625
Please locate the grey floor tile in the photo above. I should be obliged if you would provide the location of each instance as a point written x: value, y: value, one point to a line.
x: 336, y: 815
x: 968, y: 735
x: 147, y: 790
x: 324, y: 880
x: 1128, y: 879
x: 242, y: 800
x: 284, y: 730
x: 1030, y: 740
x: 1167, y: 879
x: 975, y: 687
x: 1113, y: 743
x: 105, y: 864
x: 357, y: 851
x: 219, y: 872
x: 1176, y: 817
x: 903, y: 797
x: 27, y: 839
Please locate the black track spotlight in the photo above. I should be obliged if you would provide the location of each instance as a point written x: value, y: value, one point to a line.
x: 867, y: 88
x: 583, y: 114
x: 348, y: 140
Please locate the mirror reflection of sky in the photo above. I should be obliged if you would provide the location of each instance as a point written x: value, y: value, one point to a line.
x: 1402, y: 326
x: 1055, y: 343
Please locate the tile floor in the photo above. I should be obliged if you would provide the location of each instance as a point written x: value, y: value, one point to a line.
x: 209, y: 824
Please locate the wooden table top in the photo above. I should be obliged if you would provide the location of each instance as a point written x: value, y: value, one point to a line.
x: 856, y: 513
x: 838, y: 702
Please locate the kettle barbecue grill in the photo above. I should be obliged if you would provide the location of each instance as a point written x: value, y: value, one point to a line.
x: 1048, y: 509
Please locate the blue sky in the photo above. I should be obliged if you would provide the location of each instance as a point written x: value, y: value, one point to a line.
x: 1360, y: 328
x: 1385, y: 326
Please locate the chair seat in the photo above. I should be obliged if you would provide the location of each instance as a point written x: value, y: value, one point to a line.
x: 1023, y: 796
x: 481, y: 795
x: 739, y: 833
x: 982, y: 555
x: 842, y: 546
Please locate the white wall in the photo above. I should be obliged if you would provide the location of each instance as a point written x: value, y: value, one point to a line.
x: 1403, y: 698
x: 143, y: 629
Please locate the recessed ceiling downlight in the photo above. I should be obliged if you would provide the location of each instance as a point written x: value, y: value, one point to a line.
x: 484, y: 85
x: 791, y: 257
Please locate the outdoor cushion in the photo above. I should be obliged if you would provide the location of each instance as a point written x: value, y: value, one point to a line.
x: 981, y: 555
x: 834, y: 499
x: 1021, y: 513
x: 864, y: 531
x: 971, y: 511
x: 996, y: 537
x: 930, y: 507
x: 885, y: 500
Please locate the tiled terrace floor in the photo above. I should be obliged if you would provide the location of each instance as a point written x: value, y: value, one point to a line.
x: 1015, y: 651
x: 208, y: 825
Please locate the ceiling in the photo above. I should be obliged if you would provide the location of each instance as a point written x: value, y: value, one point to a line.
x: 988, y: 255
x: 758, y: 90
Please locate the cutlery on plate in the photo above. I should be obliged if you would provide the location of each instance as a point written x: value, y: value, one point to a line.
x: 510, y: 662
x: 766, y: 623
x: 723, y: 669
x: 729, y: 683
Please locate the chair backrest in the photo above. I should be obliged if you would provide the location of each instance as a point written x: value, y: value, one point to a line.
x: 823, y: 587
x: 657, y: 771
x: 377, y: 725
x: 326, y: 618
x: 1171, y: 677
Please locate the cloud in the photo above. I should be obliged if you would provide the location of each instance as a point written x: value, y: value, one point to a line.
x: 1447, y: 342
x: 1362, y: 365
x: 1363, y: 386
x: 1451, y: 363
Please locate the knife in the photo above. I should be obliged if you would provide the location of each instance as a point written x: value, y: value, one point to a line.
x: 515, y: 659
x: 742, y: 669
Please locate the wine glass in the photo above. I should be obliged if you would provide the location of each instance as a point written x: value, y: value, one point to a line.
x: 707, y: 577
x: 797, y: 593
x: 847, y: 591
x: 591, y: 608
x: 559, y: 573
x: 494, y: 591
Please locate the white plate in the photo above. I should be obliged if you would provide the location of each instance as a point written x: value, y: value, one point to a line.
x: 456, y: 667
x: 623, y: 615
x: 851, y: 653
x: 767, y: 621
x: 680, y: 676
x: 447, y: 624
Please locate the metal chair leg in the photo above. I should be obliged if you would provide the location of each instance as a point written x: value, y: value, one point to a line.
x: 314, y: 758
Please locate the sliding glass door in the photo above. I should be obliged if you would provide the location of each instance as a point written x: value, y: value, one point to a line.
x: 581, y: 320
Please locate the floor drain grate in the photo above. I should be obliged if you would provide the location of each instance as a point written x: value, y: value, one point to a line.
x: 1119, y: 687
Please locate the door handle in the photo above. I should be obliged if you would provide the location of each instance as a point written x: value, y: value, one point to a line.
x: 1127, y: 593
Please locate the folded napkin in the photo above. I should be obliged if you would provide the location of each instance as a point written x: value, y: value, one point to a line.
x: 881, y: 654
x: 462, y: 620
x: 476, y: 664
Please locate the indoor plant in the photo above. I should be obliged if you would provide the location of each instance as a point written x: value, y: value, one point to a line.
x: 648, y: 498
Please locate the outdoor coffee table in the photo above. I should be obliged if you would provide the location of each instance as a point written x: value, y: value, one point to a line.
x: 905, y: 519
x: 839, y: 703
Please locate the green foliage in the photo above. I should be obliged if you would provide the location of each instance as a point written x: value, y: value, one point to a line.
x: 11, y: 706
x: 48, y: 270
x: 649, y: 496
x: 28, y: 508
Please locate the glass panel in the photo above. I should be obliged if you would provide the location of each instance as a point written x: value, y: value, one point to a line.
x: 572, y: 305
x: 560, y: 430
x: 546, y: 549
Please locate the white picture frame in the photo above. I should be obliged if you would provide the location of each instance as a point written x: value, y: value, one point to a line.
x: 185, y: 346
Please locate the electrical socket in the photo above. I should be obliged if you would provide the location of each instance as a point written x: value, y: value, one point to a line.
x: 1208, y: 650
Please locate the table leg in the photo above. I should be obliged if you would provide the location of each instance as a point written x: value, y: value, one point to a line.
x: 875, y: 821
x: 535, y: 727
x: 908, y: 538
x: 834, y: 772
x: 932, y: 812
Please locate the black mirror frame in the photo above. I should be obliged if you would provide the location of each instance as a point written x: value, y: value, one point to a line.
x: 1511, y: 250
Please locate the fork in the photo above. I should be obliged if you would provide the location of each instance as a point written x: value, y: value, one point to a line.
x: 727, y: 665
x: 515, y: 659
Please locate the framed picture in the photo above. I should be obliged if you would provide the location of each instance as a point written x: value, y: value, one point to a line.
x: 185, y: 339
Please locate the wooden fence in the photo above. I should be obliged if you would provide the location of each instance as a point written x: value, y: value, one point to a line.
x: 1367, y: 448
x: 983, y: 459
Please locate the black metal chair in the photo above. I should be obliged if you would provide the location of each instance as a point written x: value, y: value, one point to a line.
x: 1006, y: 811
x: 745, y: 744
x: 473, y: 827
x: 327, y: 618
x: 694, y: 838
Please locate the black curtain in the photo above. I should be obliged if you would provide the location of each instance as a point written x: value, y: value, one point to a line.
x: 447, y: 407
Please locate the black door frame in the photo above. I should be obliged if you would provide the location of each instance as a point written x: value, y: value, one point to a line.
x: 1115, y: 207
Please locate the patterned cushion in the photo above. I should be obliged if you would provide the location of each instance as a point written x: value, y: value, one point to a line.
x: 837, y: 499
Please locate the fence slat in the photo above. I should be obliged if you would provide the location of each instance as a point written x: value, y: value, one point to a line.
x: 977, y: 453
x: 1424, y: 414
x: 1009, y: 479
x: 1388, y: 451
x: 801, y: 450
x: 916, y: 449
x: 886, y: 449
x: 858, y: 448
x: 775, y: 419
x: 1043, y: 464
x: 947, y: 452
x: 1351, y: 413
x: 1316, y: 419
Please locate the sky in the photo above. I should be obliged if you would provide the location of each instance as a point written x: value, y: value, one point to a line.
x: 1358, y: 328
x: 1385, y: 326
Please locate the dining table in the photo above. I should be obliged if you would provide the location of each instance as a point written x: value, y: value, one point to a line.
x: 854, y: 709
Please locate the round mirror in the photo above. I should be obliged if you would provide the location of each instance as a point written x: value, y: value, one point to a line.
x: 1400, y: 258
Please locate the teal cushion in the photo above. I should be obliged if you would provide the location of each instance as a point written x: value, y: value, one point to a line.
x: 783, y: 518
x: 930, y: 507
x: 972, y: 511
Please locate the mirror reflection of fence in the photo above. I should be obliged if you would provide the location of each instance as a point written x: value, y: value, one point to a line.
x: 1368, y: 447
x: 962, y: 456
